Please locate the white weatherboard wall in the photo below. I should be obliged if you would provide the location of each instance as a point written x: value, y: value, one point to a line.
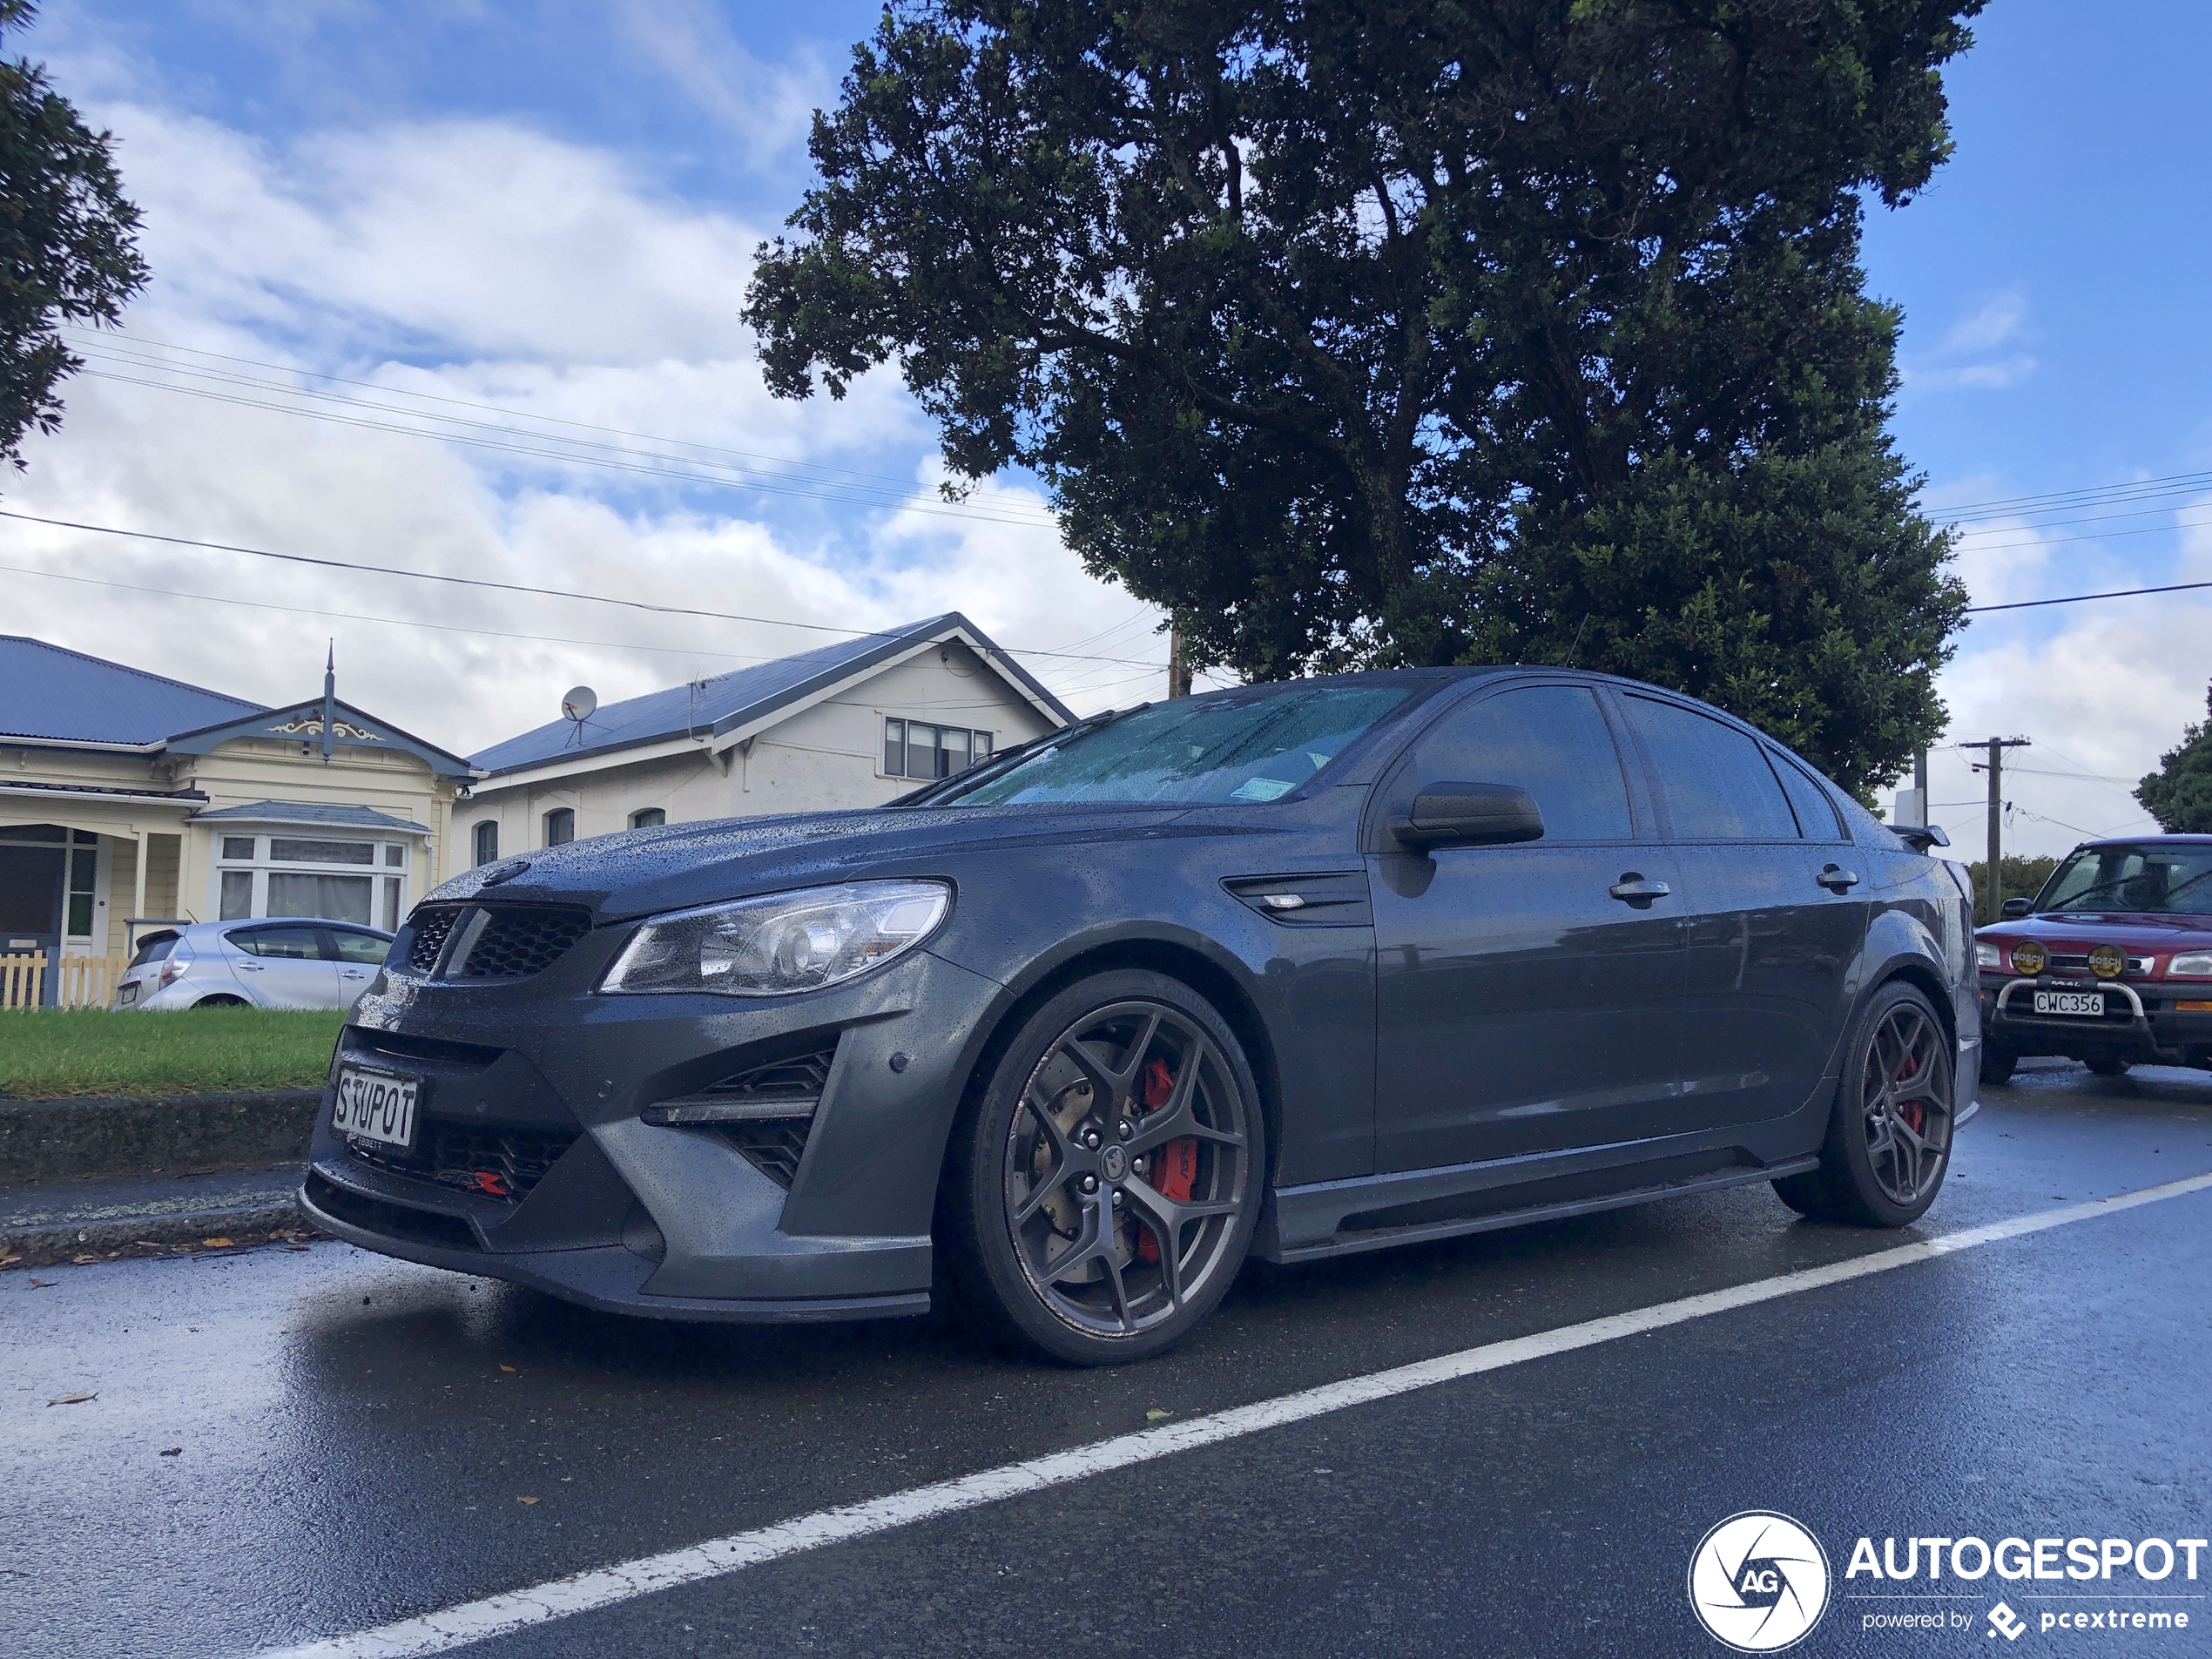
x: 821, y: 756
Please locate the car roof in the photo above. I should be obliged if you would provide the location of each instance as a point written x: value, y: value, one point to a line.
x: 250, y: 924
x: 2147, y: 840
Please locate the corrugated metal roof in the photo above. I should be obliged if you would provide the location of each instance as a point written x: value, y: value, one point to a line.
x: 737, y: 697
x: 309, y: 811
x: 66, y: 697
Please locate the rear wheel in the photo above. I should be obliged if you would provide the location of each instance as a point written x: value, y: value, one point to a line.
x: 220, y: 1001
x: 1104, y: 1186
x: 1889, y: 1138
x: 2107, y: 1066
x: 1997, y: 1065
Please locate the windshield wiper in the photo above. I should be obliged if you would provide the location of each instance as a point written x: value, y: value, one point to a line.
x: 1006, y: 759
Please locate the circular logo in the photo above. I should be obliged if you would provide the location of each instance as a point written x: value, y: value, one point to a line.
x: 1758, y: 1581
x: 2107, y: 961
x: 2028, y: 957
x: 1114, y: 1162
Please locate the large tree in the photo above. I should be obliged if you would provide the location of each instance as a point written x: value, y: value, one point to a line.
x: 2179, y: 794
x: 1418, y: 331
x: 68, y: 240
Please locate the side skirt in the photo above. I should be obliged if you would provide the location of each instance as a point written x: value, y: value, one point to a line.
x: 1270, y: 1246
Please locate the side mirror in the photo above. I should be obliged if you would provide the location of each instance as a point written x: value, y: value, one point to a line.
x: 1470, y: 815
x: 2014, y: 909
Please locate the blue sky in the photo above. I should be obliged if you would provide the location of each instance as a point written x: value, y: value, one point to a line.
x: 551, y: 208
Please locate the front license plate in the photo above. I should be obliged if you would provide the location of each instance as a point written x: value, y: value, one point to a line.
x: 375, y: 1106
x: 2089, y: 1002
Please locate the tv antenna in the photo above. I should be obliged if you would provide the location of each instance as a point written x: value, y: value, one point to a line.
x: 578, y: 704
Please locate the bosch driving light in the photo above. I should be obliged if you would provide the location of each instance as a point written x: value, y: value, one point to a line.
x: 781, y: 943
x: 2107, y: 961
x: 2028, y: 957
x: 2190, y: 964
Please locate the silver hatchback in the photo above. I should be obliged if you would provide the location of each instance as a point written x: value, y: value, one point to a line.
x: 279, y: 963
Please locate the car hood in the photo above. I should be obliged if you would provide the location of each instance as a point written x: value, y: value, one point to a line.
x: 2075, y: 931
x: 642, y: 871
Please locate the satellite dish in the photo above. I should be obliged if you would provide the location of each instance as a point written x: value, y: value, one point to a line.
x: 578, y: 703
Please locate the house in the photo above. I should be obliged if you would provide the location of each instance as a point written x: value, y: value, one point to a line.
x: 127, y: 797
x: 852, y: 724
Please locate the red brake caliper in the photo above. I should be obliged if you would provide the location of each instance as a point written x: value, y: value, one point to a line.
x: 1175, y: 1166
x: 1915, y: 1115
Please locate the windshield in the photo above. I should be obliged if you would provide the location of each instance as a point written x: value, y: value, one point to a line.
x: 1257, y: 743
x: 2171, y: 879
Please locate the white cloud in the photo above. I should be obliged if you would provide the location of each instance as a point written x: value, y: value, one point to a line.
x: 1972, y: 354
x: 485, y: 262
x: 767, y: 106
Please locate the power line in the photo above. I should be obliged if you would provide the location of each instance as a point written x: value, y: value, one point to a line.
x: 2090, y: 492
x: 2078, y: 598
x: 129, y: 348
x: 550, y: 593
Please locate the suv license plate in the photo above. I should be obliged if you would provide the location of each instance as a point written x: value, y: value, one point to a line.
x: 375, y: 1106
x: 2089, y: 1002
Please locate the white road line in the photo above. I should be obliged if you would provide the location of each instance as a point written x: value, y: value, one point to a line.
x: 471, y: 1621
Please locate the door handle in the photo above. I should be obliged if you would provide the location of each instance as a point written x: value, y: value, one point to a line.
x: 1837, y: 880
x: 353, y: 973
x: 1632, y: 888
x: 247, y: 968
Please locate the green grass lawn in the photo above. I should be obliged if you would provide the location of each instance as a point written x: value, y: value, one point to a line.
x: 47, y: 1053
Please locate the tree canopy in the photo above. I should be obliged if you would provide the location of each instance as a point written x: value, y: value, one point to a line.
x: 1418, y: 331
x: 68, y: 240
x: 2179, y: 794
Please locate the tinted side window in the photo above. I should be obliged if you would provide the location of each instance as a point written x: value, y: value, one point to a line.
x: 1717, y: 783
x: 296, y: 944
x: 1816, y: 811
x: 1552, y: 741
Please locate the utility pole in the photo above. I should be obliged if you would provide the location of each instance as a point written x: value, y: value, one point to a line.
x: 1995, y: 767
x: 1178, y: 675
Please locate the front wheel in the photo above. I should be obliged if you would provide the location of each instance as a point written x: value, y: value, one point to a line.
x: 1103, y: 1187
x: 1997, y: 1065
x: 1889, y: 1138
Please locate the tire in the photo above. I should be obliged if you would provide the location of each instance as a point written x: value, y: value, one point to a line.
x: 2107, y: 1066
x: 1888, y: 1145
x: 1997, y: 1065
x: 1037, y: 1264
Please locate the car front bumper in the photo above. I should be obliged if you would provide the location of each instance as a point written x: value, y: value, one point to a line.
x: 546, y: 1087
x: 2141, y: 1022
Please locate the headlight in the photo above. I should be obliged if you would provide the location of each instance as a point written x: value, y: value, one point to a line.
x: 2190, y: 964
x: 1988, y: 955
x: 781, y: 942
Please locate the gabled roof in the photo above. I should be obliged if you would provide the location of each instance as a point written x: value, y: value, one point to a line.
x: 309, y: 811
x: 747, y: 695
x: 60, y: 695
x: 302, y: 723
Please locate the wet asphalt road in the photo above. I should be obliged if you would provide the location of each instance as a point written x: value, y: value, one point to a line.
x: 354, y: 1438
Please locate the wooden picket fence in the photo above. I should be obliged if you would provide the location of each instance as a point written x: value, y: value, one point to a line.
x: 79, y: 982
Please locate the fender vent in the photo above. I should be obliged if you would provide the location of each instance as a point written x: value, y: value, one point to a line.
x: 765, y: 1112
x: 772, y: 1146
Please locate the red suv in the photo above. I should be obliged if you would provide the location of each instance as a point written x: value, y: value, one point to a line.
x: 2111, y: 964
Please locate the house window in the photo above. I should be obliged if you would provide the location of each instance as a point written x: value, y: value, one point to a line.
x: 335, y: 879
x: 486, y: 833
x: 560, y: 825
x: 921, y: 749
x: 650, y: 817
x: 84, y: 878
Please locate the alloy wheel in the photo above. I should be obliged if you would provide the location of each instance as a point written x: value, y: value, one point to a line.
x: 1906, y: 1103
x: 1128, y: 1165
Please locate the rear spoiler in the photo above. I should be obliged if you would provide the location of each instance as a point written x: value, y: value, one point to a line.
x: 1920, y: 837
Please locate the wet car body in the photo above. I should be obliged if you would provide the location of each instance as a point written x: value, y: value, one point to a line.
x: 2136, y: 962
x: 1570, y: 1053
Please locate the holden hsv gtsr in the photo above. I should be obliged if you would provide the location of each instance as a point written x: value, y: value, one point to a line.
x: 2110, y: 964
x: 1296, y: 969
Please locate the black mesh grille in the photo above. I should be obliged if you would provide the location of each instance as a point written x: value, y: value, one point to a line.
x: 432, y: 929
x: 500, y: 1163
x: 799, y: 1079
x: 520, y: 941
x: 773, y: 1146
